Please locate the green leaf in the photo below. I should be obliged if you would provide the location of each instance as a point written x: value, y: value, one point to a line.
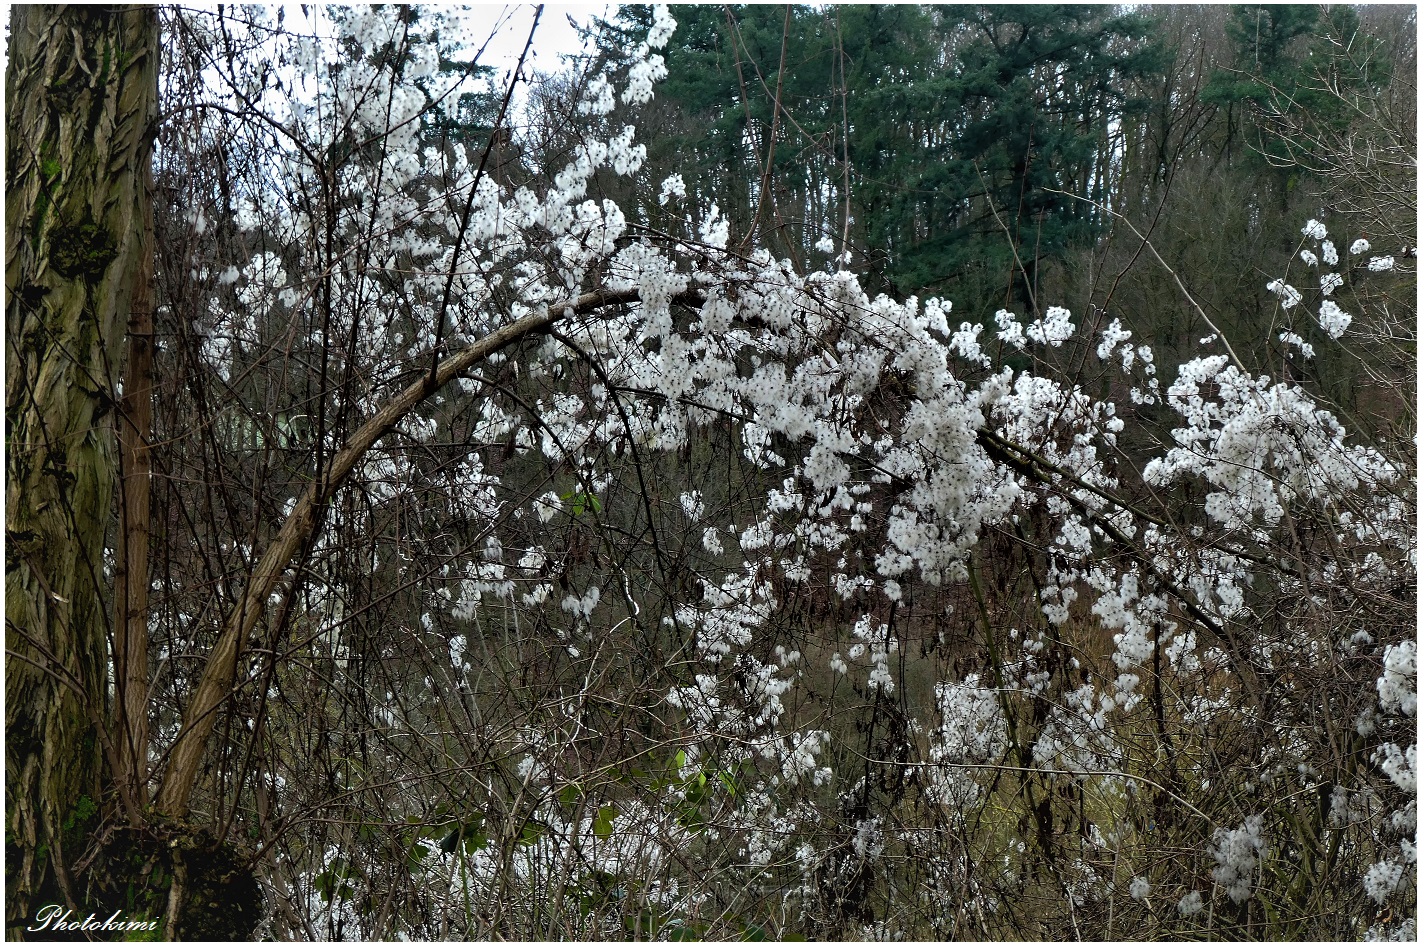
x: 324, y: 883
x: 604, y: 822
x: 530, y: 833
x: 645, y: 924
x: 579, y: 503
x: 687, y: 932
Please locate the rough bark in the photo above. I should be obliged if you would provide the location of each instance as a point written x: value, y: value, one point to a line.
x: 81, y: 92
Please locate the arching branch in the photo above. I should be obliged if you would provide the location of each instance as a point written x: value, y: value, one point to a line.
x: 301, y: 524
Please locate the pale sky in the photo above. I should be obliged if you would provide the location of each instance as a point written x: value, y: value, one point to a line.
x: 554, y: 36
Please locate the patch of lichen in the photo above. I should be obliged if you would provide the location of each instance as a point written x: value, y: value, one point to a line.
x: 82, y: 250
x: 222, y: 898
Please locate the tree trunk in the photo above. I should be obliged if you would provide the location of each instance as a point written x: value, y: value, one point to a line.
x: 81, y: 90
x: 131, y: 549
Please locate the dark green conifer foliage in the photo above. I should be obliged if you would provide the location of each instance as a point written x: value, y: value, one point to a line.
x: 1284, y: 58
x: 1017, y: 102
x: 948, y: 117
